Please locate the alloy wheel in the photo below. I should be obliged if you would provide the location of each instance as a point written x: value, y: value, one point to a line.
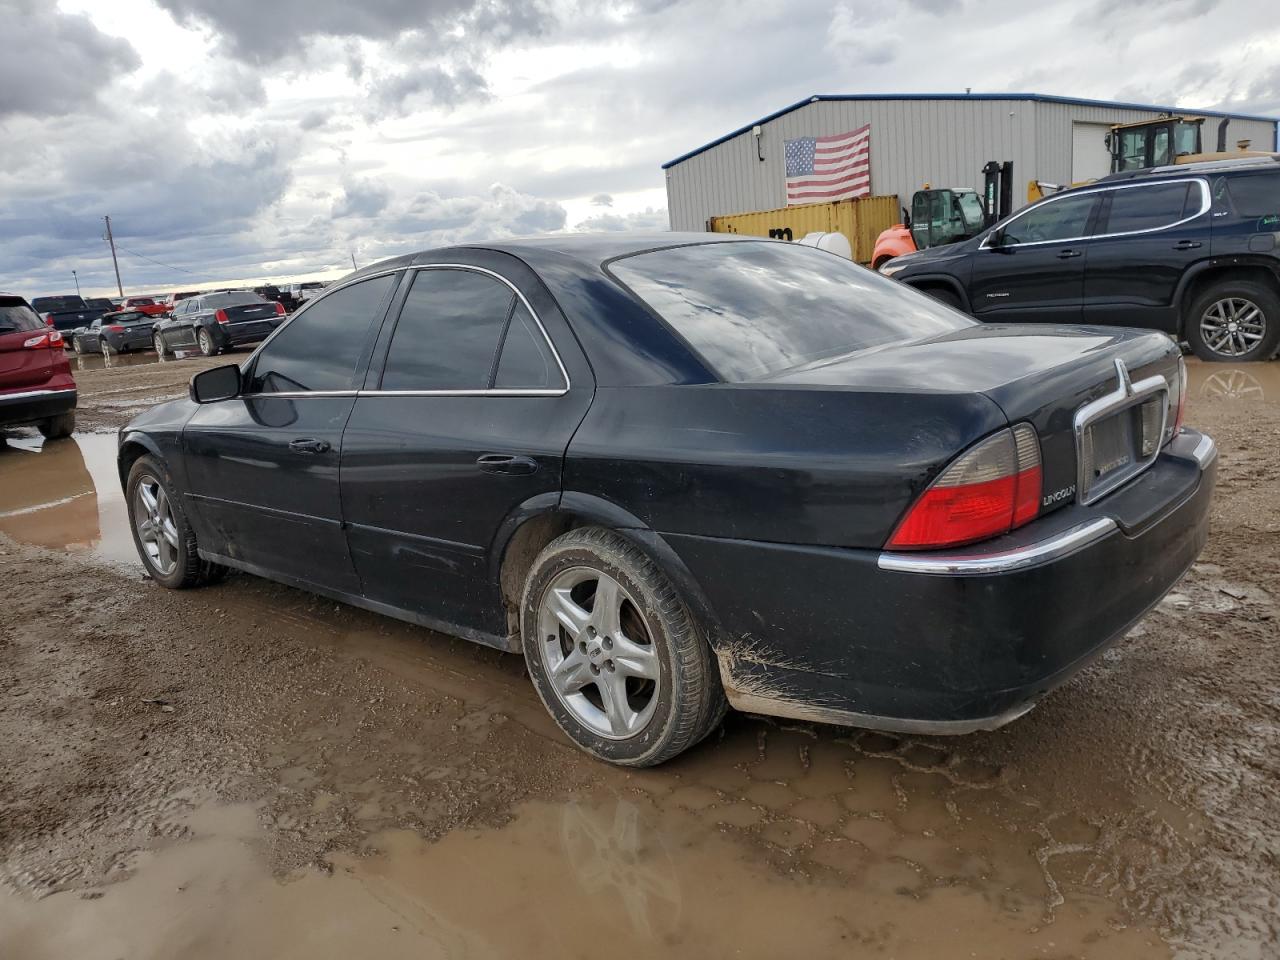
x: 206, y: 344
x: 153, y: 519
x: 1233, y: 326
x: 599, y: 653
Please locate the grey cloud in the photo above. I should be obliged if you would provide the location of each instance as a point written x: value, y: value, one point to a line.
x: 425, y: 85
x: 313, y: 120
x: 55, y: 63
x: 362, y: 198
x: 602, y: 200
x: 645, y: 220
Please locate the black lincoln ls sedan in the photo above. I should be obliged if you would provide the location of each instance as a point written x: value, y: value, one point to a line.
x: 684, y: 471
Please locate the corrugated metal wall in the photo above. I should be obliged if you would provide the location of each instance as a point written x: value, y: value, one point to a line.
x: 942, y: 142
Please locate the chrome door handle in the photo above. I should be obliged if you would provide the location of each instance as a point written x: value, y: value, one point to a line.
x: 306, y: 445
x: 1068, y: 254
x: 504, y: 463
x: 1186, y: 245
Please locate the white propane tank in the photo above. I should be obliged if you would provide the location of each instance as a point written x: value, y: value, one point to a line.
x: 834, y: 242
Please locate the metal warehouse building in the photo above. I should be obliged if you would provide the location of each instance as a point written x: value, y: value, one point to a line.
x: 941, y: 139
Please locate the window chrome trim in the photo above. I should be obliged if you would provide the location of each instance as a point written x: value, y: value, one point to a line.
x: 1126, y: 394
x: 1003, y: 561
x: 1206, y: 202
x: 484, y: 392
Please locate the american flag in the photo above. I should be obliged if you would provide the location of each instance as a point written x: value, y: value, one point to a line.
x: 822, y: 169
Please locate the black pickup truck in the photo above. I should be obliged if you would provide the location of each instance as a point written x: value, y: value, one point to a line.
x: 64, y: 313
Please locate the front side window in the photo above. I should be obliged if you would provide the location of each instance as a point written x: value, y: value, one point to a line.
x: 448, y: 333
x: 752, y: 309
x: 1133, y: 149
x: 322, y: 347
x: 1059, y: 219
x: 1151, y: 207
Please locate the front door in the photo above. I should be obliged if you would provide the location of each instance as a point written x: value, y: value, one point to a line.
x: 1148, y: 235
x: 467, y: 424
x: 1031, y: 269
x: 262, y: 469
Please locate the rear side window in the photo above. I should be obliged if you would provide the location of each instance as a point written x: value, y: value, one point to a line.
x: 1256, y: 196
x: 527, y: 361
x: 755, y: 308
x: 17, y: 317
x: 322, y: 347
x: 448, y: 333
x: 1151, y: 207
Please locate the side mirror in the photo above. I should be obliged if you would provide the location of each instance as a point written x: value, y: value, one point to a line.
x: 996, y: 240
x: 219, y: 383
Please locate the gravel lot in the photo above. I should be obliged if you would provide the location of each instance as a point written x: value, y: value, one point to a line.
x: 250, y: 770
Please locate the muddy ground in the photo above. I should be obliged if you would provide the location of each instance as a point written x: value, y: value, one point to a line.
x: 247, y: 770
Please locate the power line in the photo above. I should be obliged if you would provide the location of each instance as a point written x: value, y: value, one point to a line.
x: 168, y: 266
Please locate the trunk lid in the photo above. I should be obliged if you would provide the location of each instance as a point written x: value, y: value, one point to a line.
x: 248, y: 312
x: 1039, y: 374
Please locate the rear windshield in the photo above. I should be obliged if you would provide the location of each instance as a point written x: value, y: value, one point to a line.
x: 57, y: 304
x: 140, y: 302
x: 131, y: 318
x: 16, y: 317
x: 219, y: 300
x: 755, y: 309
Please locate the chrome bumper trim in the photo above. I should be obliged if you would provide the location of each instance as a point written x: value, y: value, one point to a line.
x: 36, y: 393
x: 1005, y: 561
x: 1206, y: 451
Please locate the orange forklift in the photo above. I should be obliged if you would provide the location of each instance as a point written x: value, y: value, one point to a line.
x: 947, y: 215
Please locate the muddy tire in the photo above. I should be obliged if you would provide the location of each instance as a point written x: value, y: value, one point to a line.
x: 614, y: 653
x: 157, y: 341
x: 107, y: 352
x: 59, y: 427
x: 1234, y: 322
x: 75, y: 345
x: 205, y: 341
x: 165, y: 542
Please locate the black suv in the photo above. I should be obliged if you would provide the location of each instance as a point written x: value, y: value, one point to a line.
x: 1191, y: 250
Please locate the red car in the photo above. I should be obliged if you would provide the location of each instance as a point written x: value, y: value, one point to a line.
x: 36, y: 385
x: 148, y: 305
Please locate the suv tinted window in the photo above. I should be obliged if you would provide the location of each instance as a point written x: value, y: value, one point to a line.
x: 1255, y: 196
x: 448, y: 332
x: 322, y: 346
x: 16, y: 317
x: 526, y: 359
x: 1064, y: 219
x: 1151, y: 206
x: 755, y: 308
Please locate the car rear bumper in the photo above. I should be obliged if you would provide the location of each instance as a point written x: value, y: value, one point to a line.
x: 236, y: 334
x: 950, y: 642
x: 29, y: 406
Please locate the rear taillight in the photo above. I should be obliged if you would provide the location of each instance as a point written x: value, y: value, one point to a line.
x: 115, y: 328
x: 48, y: 319
x: 279, y: 309
x: 221, y: 316
x: 1182, y: 396
x: 45, y: 341
x: 991, y: 489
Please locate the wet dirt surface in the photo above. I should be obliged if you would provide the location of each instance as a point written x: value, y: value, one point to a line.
x: 247, y: 770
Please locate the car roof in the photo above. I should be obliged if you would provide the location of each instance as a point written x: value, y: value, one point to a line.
x: 1232, y: 165
x: 587, y: 249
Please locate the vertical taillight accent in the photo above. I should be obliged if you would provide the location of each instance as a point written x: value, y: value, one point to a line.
x: 990, y: 489
x: 1182, y: 397
x: 279, y: 309
x: 220, y: 316
x: 1026, y: 503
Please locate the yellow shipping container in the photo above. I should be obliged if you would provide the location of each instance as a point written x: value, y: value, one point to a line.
x: 860, y: 220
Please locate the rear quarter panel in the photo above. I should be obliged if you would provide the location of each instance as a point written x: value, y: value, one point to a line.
x: 797, y: 465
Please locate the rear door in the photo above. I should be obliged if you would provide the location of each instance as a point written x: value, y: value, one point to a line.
x: 1037, y: 273
x: 463, y: 428
x: 22, y: 365
x: 1148, y: 235
x: 263, y: 468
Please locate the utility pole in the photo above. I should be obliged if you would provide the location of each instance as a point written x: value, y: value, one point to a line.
x: 111, y: 241
x: 353, y: 261
x: 77, y: 280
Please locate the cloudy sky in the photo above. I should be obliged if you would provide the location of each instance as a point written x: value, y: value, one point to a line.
x: 234, y: 139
